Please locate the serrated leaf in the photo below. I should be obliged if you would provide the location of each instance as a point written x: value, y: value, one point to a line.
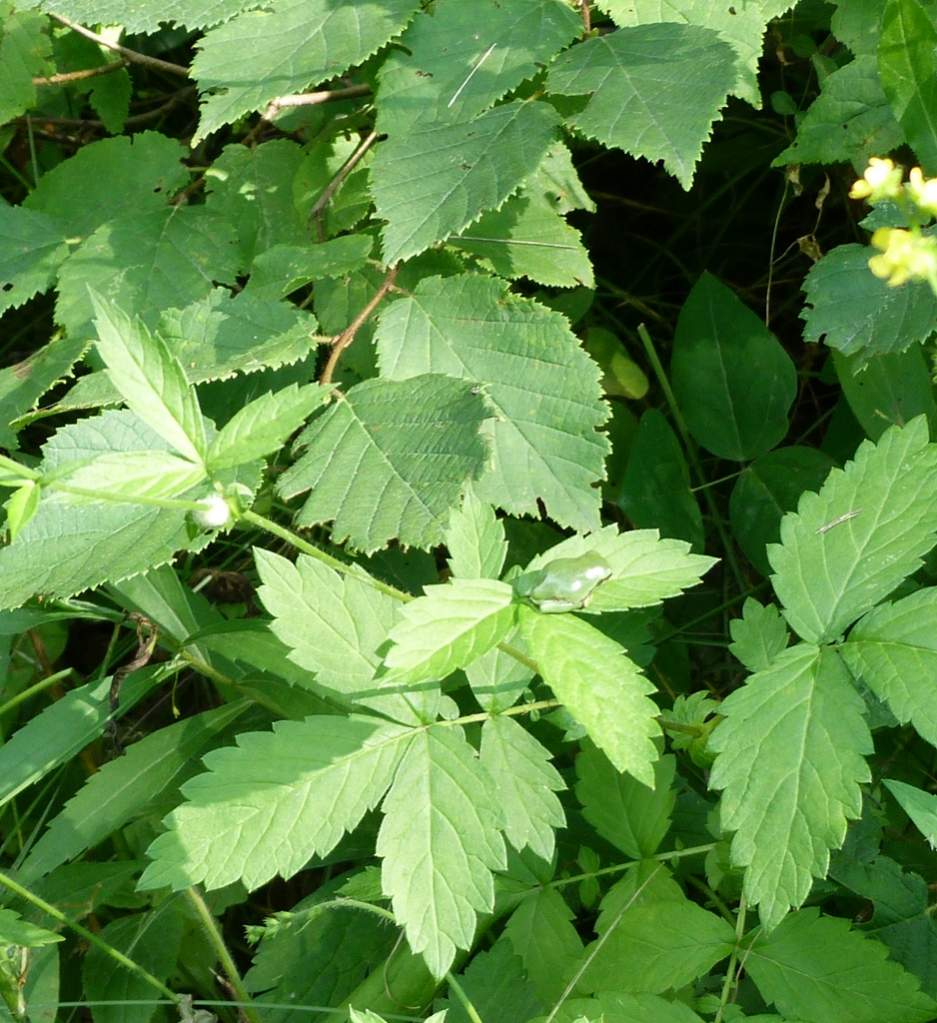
x: 334, y: 626
x: 542, y: 932
x: 759, y: 636
x: 267, y: 805
x: 850, y: 545
x: 32, y: 248
x: 496, y: 986
x: 790, y: 761
x: 920, y: 806
x: 893, y: 650
x: 857, y: 24
x: 734, y: 382
x: 440, y: 842
x: 600, y: 686
x: 907, y: 67
x: 817, y: 969
x: 14, y: 930
x: 545, y: 440
x: 475, y: 540
x: 150, y: 379
x: 294, y: 45
x: 149, y: 15
x: 633, y: 817
x: 24, y: 49
x: 458, y: 171
x: 851, y: 310
x: 282, y: 269
x: 21, y: 506
x: 374, y: 468
x: 122, y: 789
x: 525, y: 781
x: 655, y: 90
x: 498, y: 679
x: 448, y: 628
x: 128, y: 474
x: 264, y: 425
x: 849, y: 121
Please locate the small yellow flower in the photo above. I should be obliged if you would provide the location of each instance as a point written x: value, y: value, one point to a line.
x: 923, y: 191
x: 881, y: 180
x: 904, y: 256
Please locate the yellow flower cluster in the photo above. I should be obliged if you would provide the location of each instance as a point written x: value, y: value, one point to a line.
x: 905, y: 256
x: 881, y: 180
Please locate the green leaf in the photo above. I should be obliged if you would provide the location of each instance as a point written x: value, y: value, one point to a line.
x: 149, y: 15
x: 150, y: 379
x: 374, y: 444
x: 267, y: 805
x: 907, y: 67
x: 857, y: 24
x: 297, y: 44
x: 615, y: 1007
x: 24, y: 49
x: 123, y: 789
x: 734, y: 382
x: 498, y: 679
x: 885, y: 390
x: 282, y: 269
x: 495, y: 984
x: 600, y: 686
x: 486, y: 159
x: 817, y: 969
x: 920, y: 806
x: 32, y: 248
x: 893, y: 650
x: 525, y: 781
x: 547, y: 413
x: 791, y: 752
x: 128, y: 474
x: 858, y: 314
x: 14, y: 930
x: 665, y: 945
x: 633, y: 817
x: 21, y: 506
x: 759, y: 636
x: 542, y: 933
x: 439, y: 842
x: 475, y: 540
x: 868, y: 528
x: 264, y: 425
x: 848, y: 122
x: 655, y: 90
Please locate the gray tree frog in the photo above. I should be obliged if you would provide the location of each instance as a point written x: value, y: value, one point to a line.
x: 565, y: 584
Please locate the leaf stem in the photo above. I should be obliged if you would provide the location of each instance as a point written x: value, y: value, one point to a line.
x: 733, y: 961
x: 456, y: 988
x: 343, y: 340
x: 89, y: 936
x: 317, y: 213
x: 617, y: 868
x: 34, y: 690
x: 311, y: 99
x: 215, y: 938
x: 101, y: 495
x: 66, y: 77
x: 130, y: 55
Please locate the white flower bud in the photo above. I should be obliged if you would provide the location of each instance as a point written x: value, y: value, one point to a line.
x: 214, y: 512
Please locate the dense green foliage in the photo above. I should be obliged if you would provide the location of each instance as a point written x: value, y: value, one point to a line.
x: 469, y: 511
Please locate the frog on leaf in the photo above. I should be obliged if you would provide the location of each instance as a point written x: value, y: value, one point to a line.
x: 566, y: 584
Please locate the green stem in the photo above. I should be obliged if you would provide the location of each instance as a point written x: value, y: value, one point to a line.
x: 89, y: 936
x: 675, y: 854
x: 733, y: 960
x: 217, y: 942
x: 456, y: 988
x: 34, y: 690
x: 100, y: 495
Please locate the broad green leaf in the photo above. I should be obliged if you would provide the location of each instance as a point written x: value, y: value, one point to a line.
x: 893, y: 649
x: 759, y: 636
x: 851, y: 310
x: 147, y: 262
x: 267, y: 805
x: 655, y: 90
x: 887, y: 389
x: 452, y: 70
x: 790, y: 761
x: 485, y: 160
x: 633, y: 817
x: 498, y: 679
x: 497, y: 987
x: 116, y: 178
x: 374, y: 469
x: 32, y: 248
x: 282, y: 269
x: 547, y: 411
x: 22, y: 385
x: 293, y: 45
x: 24, y: 50
x: 850, y: 545
x: 334, y: 626
x: 264, y: 425
x: 907, y: 67
x: 920, y: 806
x: 655, y: 491
x: 848, y: 122
x: 128, y: 474
x: 857, y: 24
x: 542, y: 932
x: 124, y: 788
x: 149, y: 15
x: 14, y: 930
x: 448, y: 628
x: 150, y: 379
x: 815, y: 968
x: 600, y: 686
x: 616, y: 1007
x: 63, y: 729
x: 475, y: 540
x: 734, y: 382
x: 766, y: 490
x: 440, y: 842
x: 645, y: 568
x: 525, y: 781
x: 665, y: 945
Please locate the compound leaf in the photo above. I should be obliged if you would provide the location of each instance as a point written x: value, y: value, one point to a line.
x: 759, y: 636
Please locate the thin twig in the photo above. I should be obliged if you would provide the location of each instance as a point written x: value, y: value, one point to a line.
x: 343, y: 340
x: 131, y: 122
x: 313, y: 99
x: 67, y: 77
x: 130, y: 55
x: 586, y: 16
x: 317, y: 213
